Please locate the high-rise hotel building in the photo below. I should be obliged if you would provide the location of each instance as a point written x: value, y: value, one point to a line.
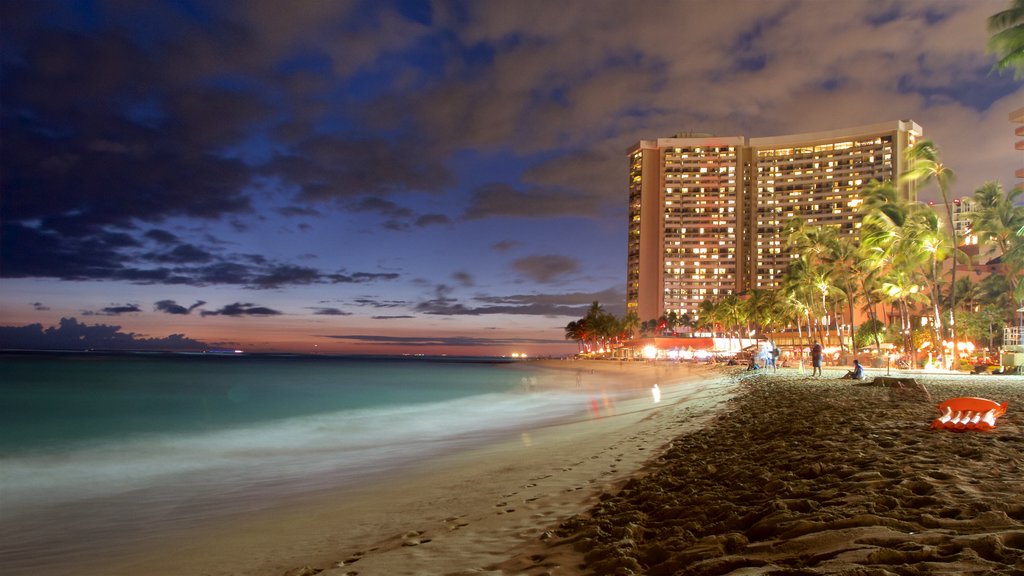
x: 707, y: 214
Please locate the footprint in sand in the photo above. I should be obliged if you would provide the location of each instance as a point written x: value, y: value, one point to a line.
x: 351, y: 559
x: 454, y: 524
x: 414, y: 538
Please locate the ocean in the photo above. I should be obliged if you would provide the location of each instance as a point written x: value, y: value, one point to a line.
x: 111, y: 450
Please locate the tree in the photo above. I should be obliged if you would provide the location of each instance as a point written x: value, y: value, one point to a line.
x: 997, y: 220
x: 631, y: 324
x: 927, y: 233
x: 1007, y: 40
x: 576, y: 330
x: 926, y: 166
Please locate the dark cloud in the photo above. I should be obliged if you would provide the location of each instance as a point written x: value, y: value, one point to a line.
x: 29, y: 252
x: 172, y: 307
x: 497, y: 200
x: 380, y: 206
x: 115, y: 310
x: 161, y: 236
x: 395, y: 317
x: 40, y: 307
x: 329, y: 168
x: 240, y: 309
x: 398, y: 217
x: 298, y: 211
x: 361, y: 277
x: 286, y: 275
x: 432, y: 220
x: 330, y: 312
x: 505, y: 245
x: 71, y: 335
x: 374, y: 303
x: 463, y: 278
x: 546, y: 268
x: 181, y: 254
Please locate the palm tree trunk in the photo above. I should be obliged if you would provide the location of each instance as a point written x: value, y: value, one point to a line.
x: 935, y: 304
x: 952, y: 289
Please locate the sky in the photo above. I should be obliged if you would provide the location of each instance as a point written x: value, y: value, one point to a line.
x: 413, y: 177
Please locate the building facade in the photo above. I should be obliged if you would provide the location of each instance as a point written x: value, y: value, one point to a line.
x: 708, y: 214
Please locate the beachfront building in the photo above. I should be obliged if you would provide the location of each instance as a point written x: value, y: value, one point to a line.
x: 707, y: 214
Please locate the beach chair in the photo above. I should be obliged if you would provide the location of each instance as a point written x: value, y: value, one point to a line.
x: 968, y: 413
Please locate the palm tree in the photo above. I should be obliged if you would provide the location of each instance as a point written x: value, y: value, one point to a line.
x: 883, y: 216
x: 630, y: 324
x: 576, y: 330
x: 926, y: 231
x: 1007, y: 40
x: 997, y: 220
x: 926, y: 166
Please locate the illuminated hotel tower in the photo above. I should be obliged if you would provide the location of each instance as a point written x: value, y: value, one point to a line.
x: 707, y: 215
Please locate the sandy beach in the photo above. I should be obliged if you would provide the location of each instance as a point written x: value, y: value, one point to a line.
x: 804, y: 475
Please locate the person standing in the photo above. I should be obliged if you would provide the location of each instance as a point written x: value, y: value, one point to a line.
x: 816, y: 359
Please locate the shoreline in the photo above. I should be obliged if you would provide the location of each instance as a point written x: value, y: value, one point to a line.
x: 463, y: 511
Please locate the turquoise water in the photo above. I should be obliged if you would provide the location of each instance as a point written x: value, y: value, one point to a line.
x: 116, y: 448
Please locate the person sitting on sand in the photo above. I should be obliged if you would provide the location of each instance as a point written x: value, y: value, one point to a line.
x: 857, y: 373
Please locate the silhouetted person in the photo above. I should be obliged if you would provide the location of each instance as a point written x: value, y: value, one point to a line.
x: 816, y: 359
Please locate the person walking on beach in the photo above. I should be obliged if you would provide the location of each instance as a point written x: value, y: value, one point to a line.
x: 857, y: 373
x: 816, y: 359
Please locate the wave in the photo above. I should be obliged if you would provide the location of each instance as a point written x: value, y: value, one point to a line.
x: 287, y: 455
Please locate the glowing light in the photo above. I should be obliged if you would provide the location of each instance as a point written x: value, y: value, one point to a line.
x: 650, y: 352
x: 656, y: 393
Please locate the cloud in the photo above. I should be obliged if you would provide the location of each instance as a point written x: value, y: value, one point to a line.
x: 329, y: 168
x: 426, y: 220
x: 462, y: 277
x: 505, y: 245
x: 327, y: 311
x: 546, y: 268
x: 494, y: 200
x: 375, y: 303
x: 72, y: 335
x: 298, y: 211
x: 115, y: 310
x: 172, y: 307
x: 361, y: 277
x: 239, y: 309
x: 40, y: 307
